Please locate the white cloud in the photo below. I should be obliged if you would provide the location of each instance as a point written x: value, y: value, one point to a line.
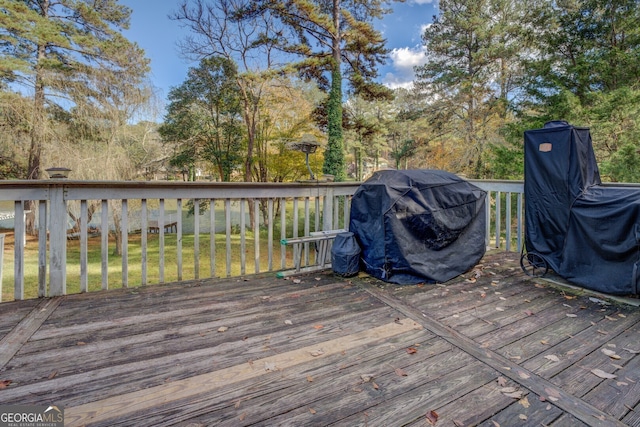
x: 404, y: 60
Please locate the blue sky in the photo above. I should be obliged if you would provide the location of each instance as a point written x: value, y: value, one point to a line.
x: 158, y: 36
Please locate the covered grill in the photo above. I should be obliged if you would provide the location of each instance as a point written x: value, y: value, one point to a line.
x: 418, y: 225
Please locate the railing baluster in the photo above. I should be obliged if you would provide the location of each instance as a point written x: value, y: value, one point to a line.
x: 161, y: 242
x: 42, y: 249
x: 18, y: 255
x: 196, y: 237
x: 520, y: 225
x: 487, y: 213
x: 283, y: 233
x: 144, y: 228
x: 295, y: 217
x: 227, y: 217
x: 498, y: 217
x: 270, y: 232
x: 256, y: 235
x: 243, y: 224
x: 178, y: 236
x: 84, y: 242
x: 306, y: 229
x: 212, y: 237
x: 125, y: 243
x: 507, y: 220
x: 104, y: 237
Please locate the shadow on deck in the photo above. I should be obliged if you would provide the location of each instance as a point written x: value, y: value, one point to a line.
x: 493, y: 348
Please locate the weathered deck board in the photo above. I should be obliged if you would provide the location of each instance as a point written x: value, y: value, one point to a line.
x: 318, y: 349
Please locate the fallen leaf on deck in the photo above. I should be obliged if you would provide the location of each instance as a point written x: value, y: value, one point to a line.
x: 610, y: 318
x: 401, y: 372
x: 495, y: 424
x: 309, y: 378
x: 622, y: 315
x: 222, y: 328
x: 598, y: 301
x: 366, y: 378
x: 53, y: 374
x: 242, y: 416
x: 503, y: 298
x: 5, y: 383
x: 552, y: 393
x: 412, y: 350
x: 552, y: 357
x: 545, y: 342
x: 612, y: 354
x: 571, y: 315
x: 499, y: 308
x: 620, y: 383
x: 524, y: 402
x: 507, y: 389
x: 529, y: 312
x: 502, y: 381
x: 375, y: 386
x: 524, y: 375
x: 297, y: 281
x: 631, y: 350
x: 81, y: 343
x: 288, y: 322
x: 432, y: 417
x: 515, y: 395
x: 523, y: 417
x: 567, y: 305
x: 318, y: 327
x: 316, y: 353
x: 602, y: 374
x: 237, y: 404
x: 313, y: 411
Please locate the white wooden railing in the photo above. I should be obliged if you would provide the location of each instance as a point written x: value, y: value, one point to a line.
x: 247, y: 220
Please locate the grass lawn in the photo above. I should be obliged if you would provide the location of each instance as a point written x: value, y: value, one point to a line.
x: 135, y: 263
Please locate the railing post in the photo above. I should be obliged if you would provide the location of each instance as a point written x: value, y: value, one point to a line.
x: 57, y: 240
x: 327, y: 211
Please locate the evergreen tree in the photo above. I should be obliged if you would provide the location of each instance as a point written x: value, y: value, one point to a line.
x: 61, y: 51
x: 334, y: 39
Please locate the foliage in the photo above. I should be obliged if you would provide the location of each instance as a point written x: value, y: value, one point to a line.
x: 472, y: 61
x: 331, y: 41
x: 587, y: 72
x: 203, y: 119
x: 70, y: 51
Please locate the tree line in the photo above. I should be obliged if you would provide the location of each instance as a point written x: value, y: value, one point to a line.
x: 271, y: 72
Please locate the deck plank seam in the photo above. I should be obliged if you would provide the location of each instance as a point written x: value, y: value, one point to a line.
x: 24, y: 330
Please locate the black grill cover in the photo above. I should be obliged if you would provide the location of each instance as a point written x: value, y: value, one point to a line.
x: 588, y: 233
x: 418, y: 225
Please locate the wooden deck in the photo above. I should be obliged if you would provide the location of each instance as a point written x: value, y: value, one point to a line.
x: 492, y: 348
